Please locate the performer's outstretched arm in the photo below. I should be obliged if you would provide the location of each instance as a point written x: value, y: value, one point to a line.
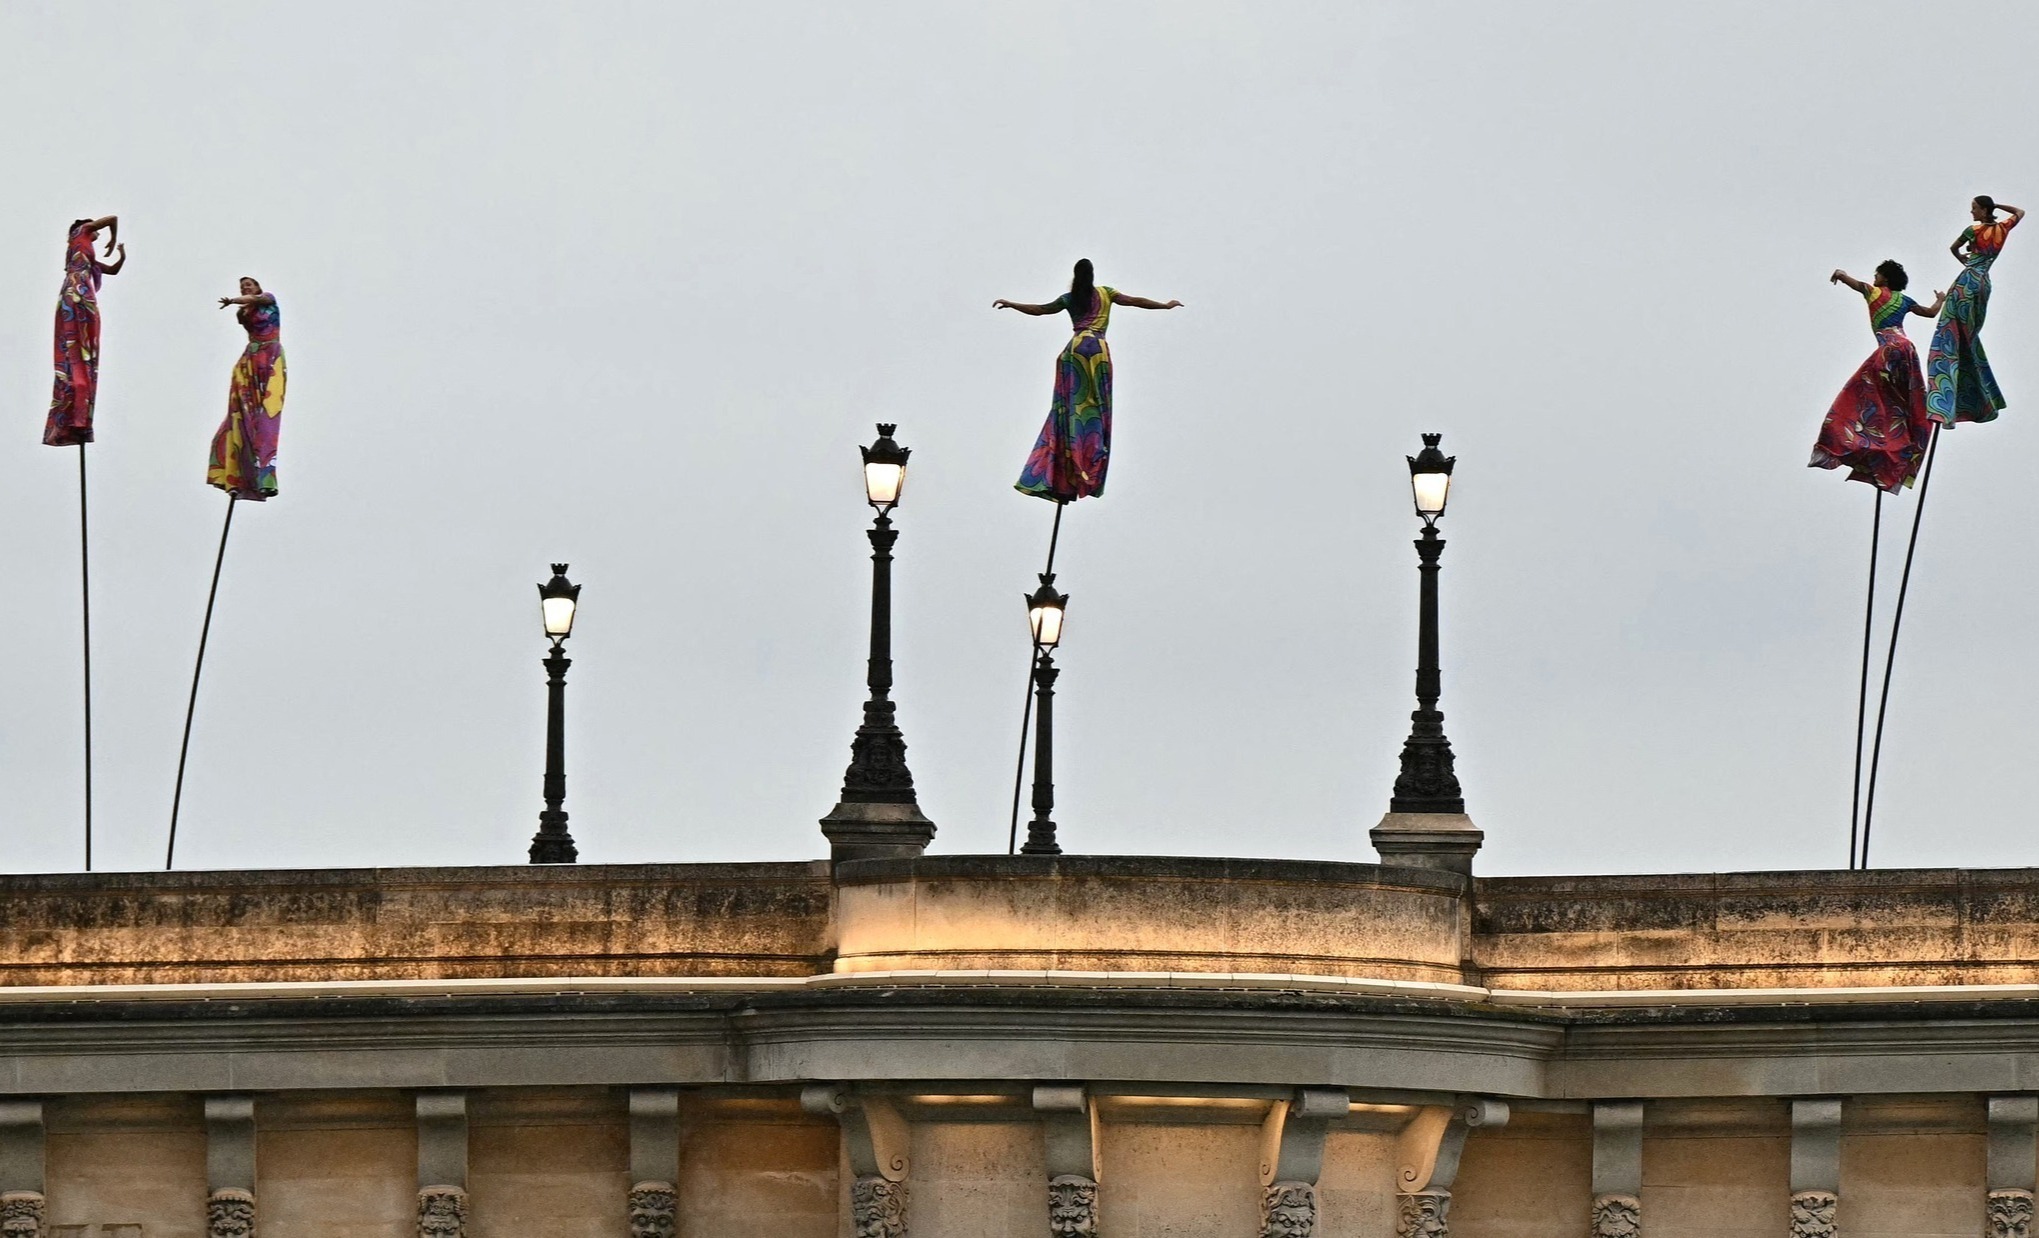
x: 113, y: 268
x: 1127, y: 298
x: 1024, y: 308
x: 2017, y: 212
x: 258, y: 298
x: 1933, y: 310
x: 112, y: 225
x: 1842, y: 277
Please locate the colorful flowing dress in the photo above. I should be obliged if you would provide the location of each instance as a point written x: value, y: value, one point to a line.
x: 77, y: 344
x: 1959, y: 386
x: 1878, y: 426
x: 1069, y: 458
x: 244, y: 451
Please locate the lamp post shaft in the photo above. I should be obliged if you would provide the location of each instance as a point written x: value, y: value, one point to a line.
x: 1041, y: 830
x: 878, y: 675
x: 553, y: 844
x: 1427, y: 783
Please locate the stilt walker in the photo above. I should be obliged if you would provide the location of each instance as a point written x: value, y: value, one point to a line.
x: 72, y: 401
x: 1877, y: 429
x: 1070, y: 457
x: 243, y: 463
x: 1959, y: 387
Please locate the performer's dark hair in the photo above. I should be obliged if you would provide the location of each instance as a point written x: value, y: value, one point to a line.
x: 251, y: 279
x: 1082, y: 291
x: 1891, y: 272
x: 1986, y: 202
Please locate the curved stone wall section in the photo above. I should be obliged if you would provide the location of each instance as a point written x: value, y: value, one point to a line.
x: 1148, y: 914
x: 415, y: 923
x: 1759, y: 930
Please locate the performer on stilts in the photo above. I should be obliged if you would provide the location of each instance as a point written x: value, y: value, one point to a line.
x: 1877, y: 429
x: 242, y: 463
x: 1959, y: 385
x: 1069, y: 458
x: 72, y: 400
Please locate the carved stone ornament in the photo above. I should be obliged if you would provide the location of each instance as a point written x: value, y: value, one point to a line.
x: 1288, y: 1210
x: 1617, y: 1216
x: 2010, y: 1214
x: 21, y: 1214
x: 1812, y: 1214
x: 230, y: 1213
x: 654, y: 1210
x: 879, y: 1208
x: 442, y: 1212
x: 1426, y: 1214
x: 1072, y: 1207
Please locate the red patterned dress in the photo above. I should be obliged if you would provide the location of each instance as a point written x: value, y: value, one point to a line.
x: 77, y: 343
x: 1878, y: 426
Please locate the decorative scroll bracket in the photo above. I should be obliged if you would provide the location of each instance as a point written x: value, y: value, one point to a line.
x: 1617, y: 1169
x: 2013, y: 1143
x: 874, y: 1134
x: 1427, y: 1152
x: 1292, y: 1138
x: 1068, y: 1131
x: 21, y: 1147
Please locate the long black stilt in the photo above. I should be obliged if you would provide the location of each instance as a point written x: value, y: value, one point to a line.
x: 1862, y: 690
x: 1019, y: 771
x: 1904, y: 581
x: 191, y: 706
x: 85, y: 610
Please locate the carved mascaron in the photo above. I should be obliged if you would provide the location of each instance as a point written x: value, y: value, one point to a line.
x: 2010, y: 1214
x: 442, y: 1212
x: 879, y: 1208
x: 654, y: 1210
x: 21, y: 1214
x: 1617, y: 1216
x: 1072, y: 1207
x: 1812, y: 1214
x: 1288, y: 1210
x: 1424, y: 1215
x: 230, y: 1213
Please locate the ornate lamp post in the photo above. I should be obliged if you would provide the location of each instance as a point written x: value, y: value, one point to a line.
x: 1426, y: 824
x: 558, y: 598
x: 1044, y: 619
x: 878, y: 815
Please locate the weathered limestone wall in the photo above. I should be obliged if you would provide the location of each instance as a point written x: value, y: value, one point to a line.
x: 127, y: 1163
x: 1717, y: 1171
x: 550, y: 1165
x: 972, y: 1178
x: 759, y: 1168
x: 1357, y: 1190
x: 1531, y: 1179
x: 336, y: 1166
x: 1142, y: 914
x: 1170, y: 1181
x: 1759, y: 930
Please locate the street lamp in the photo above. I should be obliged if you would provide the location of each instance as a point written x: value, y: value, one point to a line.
x: 1044, y: 620
x: 1426, y: 824
x: 558, y: 599
x: 878, y: 815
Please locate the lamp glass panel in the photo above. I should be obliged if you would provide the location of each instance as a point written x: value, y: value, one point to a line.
x: 1046, y: 622
x: 558, y: 615
x: 883, y: 482
x: 1431, y: 489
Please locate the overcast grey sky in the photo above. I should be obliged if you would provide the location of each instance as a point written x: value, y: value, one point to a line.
x: 626, y: 285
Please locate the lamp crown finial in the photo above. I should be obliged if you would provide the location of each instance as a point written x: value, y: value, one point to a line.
x: 559, y: 569
x: 1432, y: 440
x: 885, y: 428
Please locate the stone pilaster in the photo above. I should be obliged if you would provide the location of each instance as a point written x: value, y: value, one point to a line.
x: 1617, y: 1169
x: 1815, y: 1167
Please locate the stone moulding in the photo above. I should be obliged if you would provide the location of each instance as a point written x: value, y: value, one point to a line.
x: 1812, y: 1214
x: 654, y: 1210
x: 2010, y: 1213
x: 21, y: 1214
